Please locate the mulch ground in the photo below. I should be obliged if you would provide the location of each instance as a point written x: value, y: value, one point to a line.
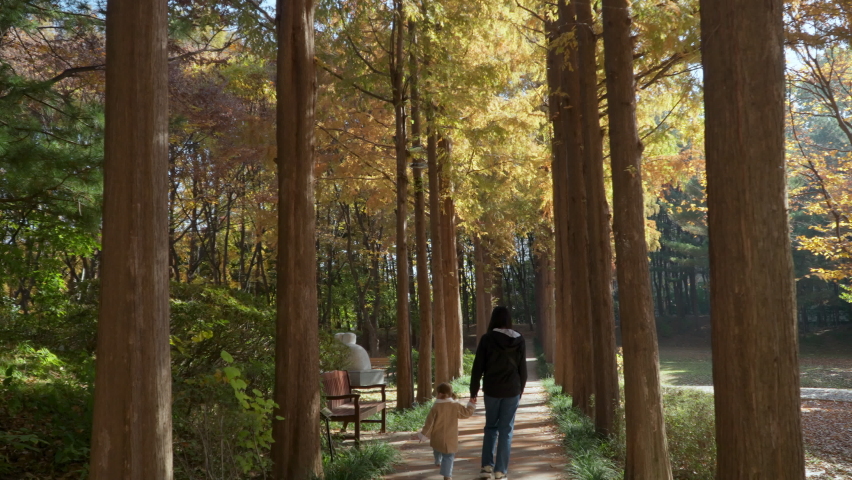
x: 827, y: 429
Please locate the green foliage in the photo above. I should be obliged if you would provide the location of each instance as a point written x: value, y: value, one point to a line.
x: 409, y: 420
x: 334, y: 355
x: 691, y: 433
x: 593, y: 466
x: 222, y: 425
x: 257, y: 438
x: 206, y: 320
x: 371, y: 461
x: 467, y: 361
x: 588, y: 452
x: 46, y: 411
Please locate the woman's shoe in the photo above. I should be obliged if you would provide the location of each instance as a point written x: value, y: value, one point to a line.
x: 485, y: 472
x: 498, y: 475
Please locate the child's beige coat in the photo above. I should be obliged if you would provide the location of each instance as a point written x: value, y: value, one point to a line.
x: 442, y: 424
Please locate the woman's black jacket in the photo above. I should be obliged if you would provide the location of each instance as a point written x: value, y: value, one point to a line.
x: 501, y: 362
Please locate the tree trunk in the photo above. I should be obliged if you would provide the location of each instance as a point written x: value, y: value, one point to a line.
x: 755, y: 362
x: 452, y: 303
x: 424, y: 364
x: 647, y: 453
x: 600, y: 255
x: 296, y: 450
x: 405, y: 384
x: 498, y: 293
x: 442, y: 368
x: 578, y: 241
x: 483, y: 295
x: 132, y: 428
x: 559, y: 171
x: 544, y: 301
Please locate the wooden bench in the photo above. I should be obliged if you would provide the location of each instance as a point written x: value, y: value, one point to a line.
x: 381, y: 363
x: 345, y: 405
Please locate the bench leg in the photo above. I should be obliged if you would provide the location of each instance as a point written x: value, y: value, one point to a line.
x: 358, y: 433
x: 343, y: 430
x: 384, y: 419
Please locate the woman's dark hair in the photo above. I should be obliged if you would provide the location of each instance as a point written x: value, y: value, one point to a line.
x: 500, y: 318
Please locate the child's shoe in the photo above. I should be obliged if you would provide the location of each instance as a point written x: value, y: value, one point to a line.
x: 499, y: 475
x: 485, y: 472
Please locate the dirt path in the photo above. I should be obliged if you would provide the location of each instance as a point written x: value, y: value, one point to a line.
x: 536, y: 451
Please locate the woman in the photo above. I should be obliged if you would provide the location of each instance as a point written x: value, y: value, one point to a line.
x: 501, y: 362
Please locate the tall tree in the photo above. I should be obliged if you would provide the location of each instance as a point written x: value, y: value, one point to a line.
x: 424, y: 363
x: 755, y: 362
x: 132, y: 428
x: 582, y: 373
x: 483, y: 288
x: 296, y: 451
x: 647, y: 452
x: 442, y: 368
x: 449, y: 261
x: 600, y: 255
x: 405, y: 383
x: 559, y: 172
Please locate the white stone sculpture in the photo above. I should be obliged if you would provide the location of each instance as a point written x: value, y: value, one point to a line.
x: 359, y: 359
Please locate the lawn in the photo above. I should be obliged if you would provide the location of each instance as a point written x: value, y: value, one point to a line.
x: 693, y: 366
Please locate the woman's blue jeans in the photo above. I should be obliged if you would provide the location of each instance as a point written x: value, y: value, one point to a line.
x: 499, y: 426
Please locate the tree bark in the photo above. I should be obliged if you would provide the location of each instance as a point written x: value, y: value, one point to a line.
x: 442, y: 368
x: 132, y: 427
x: 449, y: 259
x: 483, y: 293
x: 600, y: 255
x: 559, y: 171
x: 583, y: 371
x: 545, y: 301
x: 647, y: 452
x: 755, y: 362
x: 405, y: 384
x: 424, y: 364
x: 296, y: 450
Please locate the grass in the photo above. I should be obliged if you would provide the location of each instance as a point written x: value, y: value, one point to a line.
x: 693, y: 366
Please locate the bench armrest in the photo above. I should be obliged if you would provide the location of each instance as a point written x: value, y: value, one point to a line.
x: 368, y: 387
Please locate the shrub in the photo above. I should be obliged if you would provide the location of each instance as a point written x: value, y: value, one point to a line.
x: 690, y: 428
x: 46, y: 412
x: 222, y: 426
x: 371, y: 461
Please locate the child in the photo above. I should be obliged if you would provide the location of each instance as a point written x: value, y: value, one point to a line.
x: 442, y: 427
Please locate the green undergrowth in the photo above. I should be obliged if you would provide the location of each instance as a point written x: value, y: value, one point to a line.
x: 371, y: 461
x: 591, y: 456
x: 690, y: 431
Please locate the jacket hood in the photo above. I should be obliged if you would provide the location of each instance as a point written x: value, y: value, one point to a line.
x: 506, y: 341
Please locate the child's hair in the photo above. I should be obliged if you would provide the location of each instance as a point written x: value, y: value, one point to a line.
x: 446, y: 389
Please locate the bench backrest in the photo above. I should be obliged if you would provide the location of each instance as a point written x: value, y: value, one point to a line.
x: 336, y: 383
